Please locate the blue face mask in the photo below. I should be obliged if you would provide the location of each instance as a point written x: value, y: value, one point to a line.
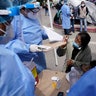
x: 76, y: 45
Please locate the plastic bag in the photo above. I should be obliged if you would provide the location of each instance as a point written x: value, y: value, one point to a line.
x: 60, y: 51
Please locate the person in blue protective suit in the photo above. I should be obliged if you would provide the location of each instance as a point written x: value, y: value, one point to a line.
x: 15, y: 78
x: 32, y: 34
x: 86, y: 85
x: 66, y: 19
x: 8, y: 35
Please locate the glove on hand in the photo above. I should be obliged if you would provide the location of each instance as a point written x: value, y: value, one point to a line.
x: 34, y: 48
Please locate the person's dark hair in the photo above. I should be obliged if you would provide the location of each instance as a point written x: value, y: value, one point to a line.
x: 85, y: 39
x: 93, y: 63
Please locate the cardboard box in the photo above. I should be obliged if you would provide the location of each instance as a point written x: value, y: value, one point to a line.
x: 45, y: 87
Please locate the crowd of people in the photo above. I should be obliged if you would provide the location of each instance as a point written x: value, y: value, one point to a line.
x: 20, y: 36
x: 80, y: 61
x: 68, y: 14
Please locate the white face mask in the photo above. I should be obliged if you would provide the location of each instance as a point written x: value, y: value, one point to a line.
x: 82, y: 5
x: 32, y: 15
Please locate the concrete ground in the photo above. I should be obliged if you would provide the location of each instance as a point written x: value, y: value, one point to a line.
x: 50, y: 59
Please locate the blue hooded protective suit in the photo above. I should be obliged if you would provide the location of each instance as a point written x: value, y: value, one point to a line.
x: 65, y: 16
x: 86, y: 86
x: 15, y: 78
x: 32, y: 31
x: 32, y: 34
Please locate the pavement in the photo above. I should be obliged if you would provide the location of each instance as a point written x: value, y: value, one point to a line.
x: 90, y: 28
x: 50, y: 58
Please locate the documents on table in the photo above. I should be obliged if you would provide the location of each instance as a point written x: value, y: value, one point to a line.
x: 52, y: 35
x: 55, y: 40
x: 51, y: 45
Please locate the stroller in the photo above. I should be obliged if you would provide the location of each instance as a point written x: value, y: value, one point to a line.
x: 57, y: 17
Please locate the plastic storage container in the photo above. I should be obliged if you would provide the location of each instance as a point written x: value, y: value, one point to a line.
x: 56, y: 82
x: 73, y: 76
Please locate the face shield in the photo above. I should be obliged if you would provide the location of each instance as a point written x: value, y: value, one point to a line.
x: 31, y: 10
x: 33, y: 13
x: 5, y: 22
x: 4, y: 18
x: 21, y: 2
x: 35, y: 10
x: 6, y: 32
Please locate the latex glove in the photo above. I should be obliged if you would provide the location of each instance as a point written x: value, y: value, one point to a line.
x: 34, y: 48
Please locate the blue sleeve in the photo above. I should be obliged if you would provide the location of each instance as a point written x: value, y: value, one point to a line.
x: 16, y: 24
x: 17, y: 46
x: 44, y: 35
x: 68, y: 11
x: 15, y: 78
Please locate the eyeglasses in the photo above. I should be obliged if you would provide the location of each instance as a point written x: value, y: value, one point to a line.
x: 35, y: 10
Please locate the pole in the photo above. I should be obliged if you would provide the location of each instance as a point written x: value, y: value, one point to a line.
x: 50, y: 15
x: 51, y: 23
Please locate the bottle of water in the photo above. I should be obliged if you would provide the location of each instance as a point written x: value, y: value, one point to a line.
x: 58, y: 84
x: 73, y: 76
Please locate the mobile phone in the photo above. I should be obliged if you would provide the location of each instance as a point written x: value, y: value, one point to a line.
x: 60, y: 94
x: 40, y: 48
